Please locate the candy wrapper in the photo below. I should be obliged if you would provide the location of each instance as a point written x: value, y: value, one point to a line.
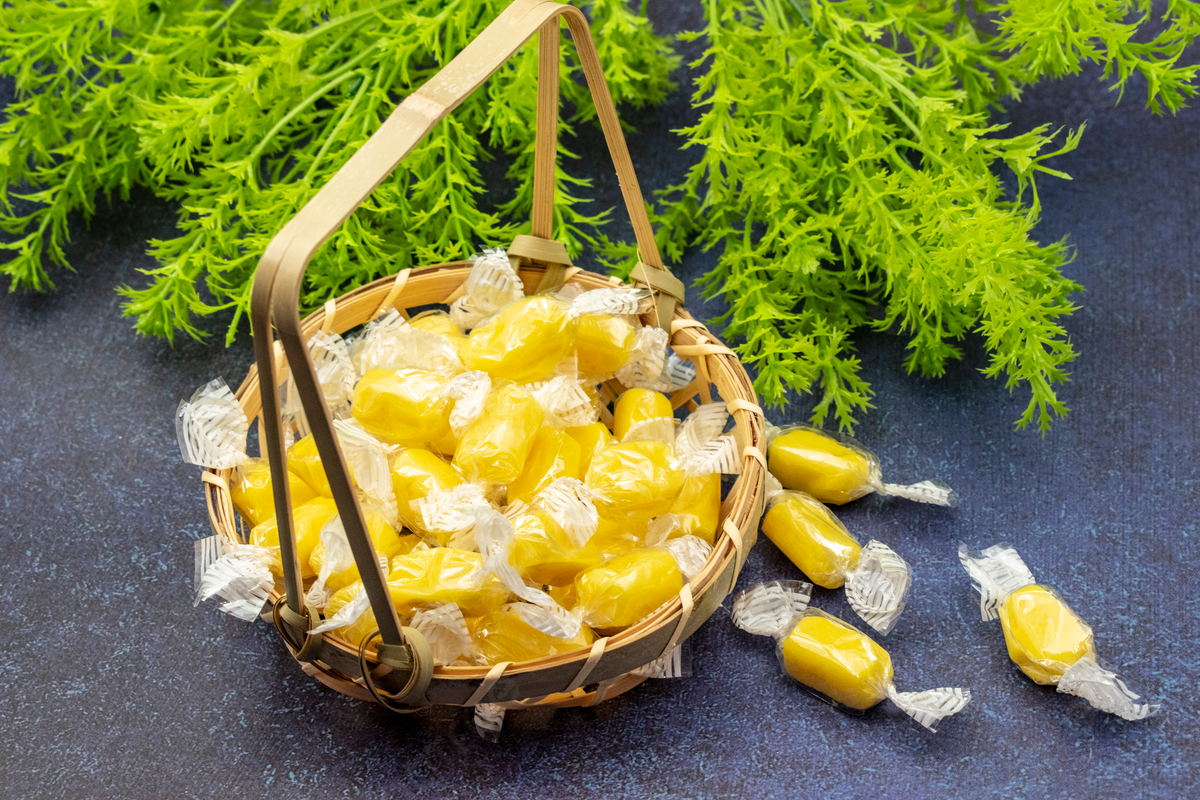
x: 211, y: 427
x: 239, y: 574
x: 524, y: 341
x: 390, y: 341
x: 836, y: 469
x: 504, y: 635
x: 1046, y: 639
x: 443, y: 626
x: 492, y: 285
x: 624, y: 590
x: 643, y: 415
x: 832, y: 660
x: 876, y: 578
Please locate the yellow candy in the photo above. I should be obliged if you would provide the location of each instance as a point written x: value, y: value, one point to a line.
x: 439, y: 322
x: 543, y: 552
x: 524, y: 341
x: 404, y: 406
x: 553, y: 454
x: 639, y: 405
x: 591, y: 439
x: 494, y: 447
x: 434, y: 575
x: 812, y: 538
x: 831, y: 657
x: 634, y: 481
x: 443, y: 575
x: 416, y: 473
x: 624, y: 590
x: 254, y: 497
x: 383, y: 537
x: 359, y: 628
x: 307, y: 522
x: 809, y: 461
x: 1044, y: 636
x: 699, y: 507
x: 304, y: 462
x: 504, y: 636
x: 602, y: 343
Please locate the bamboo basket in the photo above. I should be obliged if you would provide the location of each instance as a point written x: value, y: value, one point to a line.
x: 398, y: 671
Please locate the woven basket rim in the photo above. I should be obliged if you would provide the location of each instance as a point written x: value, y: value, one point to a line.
x: 743, y: 504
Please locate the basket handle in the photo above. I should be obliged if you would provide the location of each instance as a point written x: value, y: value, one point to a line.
x: 275, y: 295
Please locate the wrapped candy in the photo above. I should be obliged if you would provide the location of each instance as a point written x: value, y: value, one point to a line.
x: 834, y: 661
x: 307, y: 521
x: 440, y: 324
x: 495, y: 446
x: 416, y: 473
x: 812, y: 461
x: 1046, y: 639
x: 543, y: 553
x: 642, y: 414
x: 333, y: 561
x: 423, y: 577
x: 697, y: 509
x: 406, y: 406
x: 876, y: 578
x: 626, y: 589
x: 553, y: 454
x: 603, y: 343
x: 635, y: 480
x: 504, y: 636
x: 524, y: 341
x: 254, y: 497
x: 591, y: 439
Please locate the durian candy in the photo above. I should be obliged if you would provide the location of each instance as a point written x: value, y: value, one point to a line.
x: 307, y: 521
x: 833, y: 660
x: 416, y: 473
x: 814, y: 462
x: 1047, y: 640
x: 440, y: 324
x: 504, y: 636
x: 524, y: 341
x: 334, y: 563
x: 591, y: 439
x: 495, y: 446
x: 877, y: 580
x: 624, y: 590
x: 253, y: 495
x: 642, y: 414
x: 421, y: 578
x: 543, y: 553
x: 406, y: 406
x: 553, y: 454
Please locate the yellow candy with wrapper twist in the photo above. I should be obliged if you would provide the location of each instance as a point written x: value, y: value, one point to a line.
x: 524, y: 341
x: 254, y: 496
x: 835, y: 661
x: 405, y: 406
x: 1047, y: 640
x: 495, y: 446
x: 504, y: 636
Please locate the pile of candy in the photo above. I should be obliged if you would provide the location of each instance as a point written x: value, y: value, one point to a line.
x: 511, y: 522
x: 515, y: 517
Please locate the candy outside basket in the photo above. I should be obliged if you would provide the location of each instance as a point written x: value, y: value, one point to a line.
x: 394, y: 667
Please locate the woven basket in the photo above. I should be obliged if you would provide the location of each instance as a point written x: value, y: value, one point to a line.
x: 398, y: 671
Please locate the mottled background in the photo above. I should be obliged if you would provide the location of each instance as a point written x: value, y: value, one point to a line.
x: 113, y: 686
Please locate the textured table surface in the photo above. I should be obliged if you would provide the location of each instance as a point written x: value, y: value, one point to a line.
x: 112, y: 685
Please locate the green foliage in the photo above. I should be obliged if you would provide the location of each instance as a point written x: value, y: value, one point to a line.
x: 848, y: 177
x: 240, y: 113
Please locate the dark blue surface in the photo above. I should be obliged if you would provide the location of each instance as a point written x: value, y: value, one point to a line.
x: 113, y: 686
